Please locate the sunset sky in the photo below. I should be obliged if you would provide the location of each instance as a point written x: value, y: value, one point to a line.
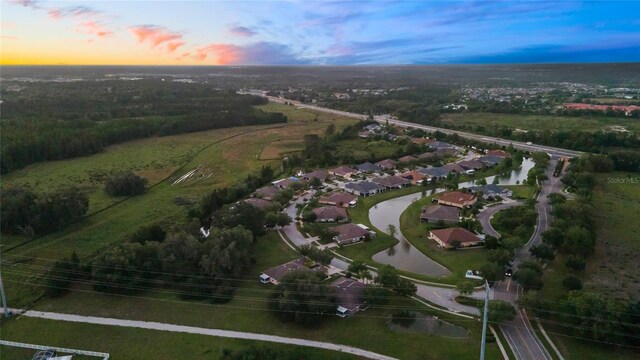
x: 317, y: 32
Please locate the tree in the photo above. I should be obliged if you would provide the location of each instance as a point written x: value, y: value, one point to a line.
x: 387, y: 276
x: 240, y: 214
x: 359, y: 270
x: 125, y: 184
x: 492, y: 271
x: 542, y: 252
x: 499, y: 256
x: 465, y: 287
x: 315, y: 182
x: 405, y: 287
x: 572, y: 282
x: 491, y: 242
x: 529, y: 275
x: 301, y: 297
x: 500, y: 311
x: 376, y: 295
x: 575, y: 262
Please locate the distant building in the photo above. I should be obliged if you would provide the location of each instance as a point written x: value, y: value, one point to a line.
x: 407, y: 159
x: 319, y: 174
x: 266, y: 192
x: 498, y: 153
x: 415, y: 177
x: 368, y: 167
x: 490, y: 160
x: 455, y: 168
x: 387, y: 164
x: 275, y: 274
x: 259, y: 203
x: 491, y: 190
x: 472, y: 164
x: 343, y: 171
x: 392, y: 182
x: 437, y: 173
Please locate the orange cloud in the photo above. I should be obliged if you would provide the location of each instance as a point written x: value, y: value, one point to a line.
x: 172, y: 46
x: 224, y: 53
x: 91, y: 27
x: 156, y: 35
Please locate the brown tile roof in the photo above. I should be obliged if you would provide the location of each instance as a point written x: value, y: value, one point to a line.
x: 457, y: 197
x: 387, y: 164
x: 454, y: 168
x: 413, y: 176
x: 472, y: 164
x: 330, y: 213
x: 320, y: 174
x: 259, y: 203
x: 267, y: 192
x: 348, y: 231
x: 408, y: 158
x: 449, y: 235
x: 422, y: 141
x: 342, y: 170
x: 499, y: 153
x: 337, y: 198
x: 280, y: 271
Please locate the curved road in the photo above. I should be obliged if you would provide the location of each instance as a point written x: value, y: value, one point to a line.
x: 485, y: 216
x: 202, y: 331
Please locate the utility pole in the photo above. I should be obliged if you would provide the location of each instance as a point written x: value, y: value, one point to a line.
x: 485, y: 319
x: 4, y: 298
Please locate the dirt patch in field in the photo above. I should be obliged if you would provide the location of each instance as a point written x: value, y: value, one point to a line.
x: 277, y: 148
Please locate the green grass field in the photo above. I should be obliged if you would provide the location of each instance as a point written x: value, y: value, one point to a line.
x: 522, y: 191
x: 539, y: 122
x: 614, y: 267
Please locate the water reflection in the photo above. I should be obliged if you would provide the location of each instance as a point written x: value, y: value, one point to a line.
x: 403, y: 255
x: 416, y: 322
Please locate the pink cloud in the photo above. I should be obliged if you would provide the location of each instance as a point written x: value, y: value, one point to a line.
x: 156, y: 35
x: 224, y: 53
x: 241, y: 31
x: 172, y: 46
x: 252, y: 54
x: 75, y: 11
x: 93, y: 28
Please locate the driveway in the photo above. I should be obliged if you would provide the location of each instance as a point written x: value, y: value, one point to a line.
x: 291, y: 230
x: 485, y: 216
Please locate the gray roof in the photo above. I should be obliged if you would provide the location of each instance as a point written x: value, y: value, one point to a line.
x: 348, y: 231
x: 440, y: 145
x: 391, y: 181
x: 363, y: 186
x: 349, y: 293
x: 434, y: 171
x: 368, y: 167
x: 495, y: 160
x: 440, y: 212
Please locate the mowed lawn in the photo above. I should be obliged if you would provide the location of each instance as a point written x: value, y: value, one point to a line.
x: 539, y: 122
x: 417, y: 232
x: 246, y: 312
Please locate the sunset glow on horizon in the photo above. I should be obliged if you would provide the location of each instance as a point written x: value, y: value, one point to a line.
x: 317, y: 33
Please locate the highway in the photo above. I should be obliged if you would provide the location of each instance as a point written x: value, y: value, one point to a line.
x: 384, y: 119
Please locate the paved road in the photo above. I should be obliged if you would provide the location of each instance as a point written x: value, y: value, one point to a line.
x: 203, y: 331
x: 445, y: 297
x: 519, y: 333
x: 522, y: 339
x: 485, y: 216
x: 291, y: 230
x: 481, y: 138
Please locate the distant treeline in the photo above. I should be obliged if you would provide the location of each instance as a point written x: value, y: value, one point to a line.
x: 56, y: 121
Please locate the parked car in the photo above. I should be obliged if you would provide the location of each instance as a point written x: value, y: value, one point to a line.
x: 473, y: 274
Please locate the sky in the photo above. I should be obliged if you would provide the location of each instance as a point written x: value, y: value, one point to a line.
x: 297, y: 32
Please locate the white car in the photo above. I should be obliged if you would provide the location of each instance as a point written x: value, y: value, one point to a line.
x: 473, y: 274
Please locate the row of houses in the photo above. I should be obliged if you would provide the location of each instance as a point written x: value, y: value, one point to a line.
x: 349, y: 293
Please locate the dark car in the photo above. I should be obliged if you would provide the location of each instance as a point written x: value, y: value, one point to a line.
x: 509, y: 272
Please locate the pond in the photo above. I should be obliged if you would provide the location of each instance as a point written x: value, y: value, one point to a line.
x: 403, y: 255
x: 412, y: 321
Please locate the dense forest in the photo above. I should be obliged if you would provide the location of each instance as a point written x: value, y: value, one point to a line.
x: 53, y: 121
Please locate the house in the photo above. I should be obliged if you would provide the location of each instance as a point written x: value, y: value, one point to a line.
x: 364, y: 188
x: 498, y: 153
x: 434, y: 172
x: 454, y: 237
x: 285, y: 183
x: 427, y: 156
x: 472, y: 164
x: 490, y: 160
x: 275, y: 274
x: 330, y: 214
x: 407, y: 159
x: 454, y: 168
x: 339, y: 198
x: 364, y: 134
x: 259, y: 203
x: 491, y: 190
x: 349, y: 296
x: 343, y: 171
x: 392, y: 182
x: 440, y: 145
x: 445, y: 152
x: 387, y: 164
x: 415, y: 177
x: 373, y: 127
x: 266, y: 192
x: 436, y: 213
x: 350, y: 233
x: 457, y: 198
x: 368, y: 167
x: 320, y: 174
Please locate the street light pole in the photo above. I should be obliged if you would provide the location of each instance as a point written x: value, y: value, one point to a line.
x: 485, y: 319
